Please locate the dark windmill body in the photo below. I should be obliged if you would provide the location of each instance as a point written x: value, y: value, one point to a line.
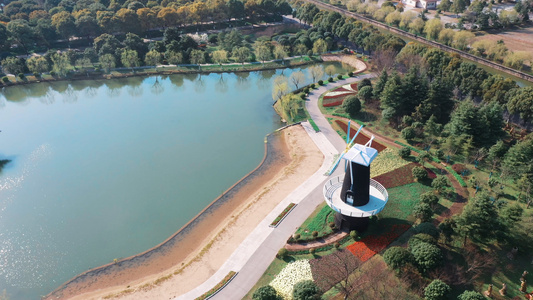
x: 355, y: 196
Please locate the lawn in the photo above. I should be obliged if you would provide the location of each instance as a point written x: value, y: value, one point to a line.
x: 318, y: 221
x: 388, y: 162
x: 402, y: 199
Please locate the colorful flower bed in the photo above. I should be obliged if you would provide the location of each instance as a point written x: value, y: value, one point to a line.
x: 372, y: 244
x: 397, y: 177
x: 326, y: 103
x: 361, y: 138
x: 345, y: 90
x: 293, y: 273
x: 219, y: 286
x: 282, y: 215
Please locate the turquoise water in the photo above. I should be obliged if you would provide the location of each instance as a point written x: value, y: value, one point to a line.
x: 106, y: 169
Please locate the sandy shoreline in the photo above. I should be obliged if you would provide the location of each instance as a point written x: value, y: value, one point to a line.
x: 192, y: 257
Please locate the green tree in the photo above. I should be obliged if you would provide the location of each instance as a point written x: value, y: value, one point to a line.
x: 479, y: 219
x: 107, y: 61
x: 197, y: 57
x: 437, y: 290
x: 38, y: 64
x: 429, y: 198
x: 397, y: 257
x: 263, y: 51
x: 152, y: 58
x: 61, y: 63
x: 13, y: 65
x: 444, y: 5
x: 135, y: 42
x: 433, y: 27
x: 220, y: 56
x: 266, y: 292
x: 21, y: 32
x: 241, y: 54
x: 280, y: 52
x: 404, y: 152
x: 4, y: 35
x: 521, y: 102
x: 419, y: 173
x: 380, y: 84
x: 306, y: 290
x: 174, y: 57
x: 408, y: 133
x: 427, y: 256
x: 440, y: 183
x: 352, y: 105
x: 458, y: 6
x: 365, y: 93
x: 130, y: 59
x: 471, y: 295
x: 106, y: 44
x: 320, y: 46
x: 64, y: 24
x: 422, y: 211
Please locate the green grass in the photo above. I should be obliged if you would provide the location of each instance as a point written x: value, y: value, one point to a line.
x: 317, y: 221
x: 402, y: 199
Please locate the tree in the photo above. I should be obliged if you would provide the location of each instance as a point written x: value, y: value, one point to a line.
x: 422, y: 211
x: 168, y: 16
x: 220, y: 56
x: 331, y: 70
x: 417, y: 26
x: 380, y: 84
x: 444, y: 5
x: 266, y: 292
x: 404, y: 152
x: 479, y: 219
x: 335, y: 270
x: 316, y: 71
x: 427, y: 256
x: 320, y: 46
x: 521, y: 101
x: 135, y: 42
x: 300, y: 49
x: 147, y: 17
x: 306, y: 290
x: 446, y: 36
x: 397, y: 257
x: 440, y: 183
x: 280, y: 52
x: 262, y: 51
x: 197, y: 57
x: 297, y: 78
x: 4, y: 35
x: 433, y: 27
x: 408, y: 133
x: 13, y: 65
x: 38, y: 64
x: 64, y: 24
x: 21, y: 32
x: 174, y: 57
x: 130, y: 59
x: 280, y: 87
x: 106, y: 44
x: 471, y: 295
x: 107, y: 61
x: 429, y: 198
x: 241, y: 54
x: 437, y: 290
x: 61, y: 63
x: 365, y: 93
x: 462, y: 39
x: 352, y: 105
x: 152, y: 58
x: 87, y: 26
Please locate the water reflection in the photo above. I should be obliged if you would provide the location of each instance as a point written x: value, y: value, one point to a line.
x: 157, y: 88
x: 221, y: 85
x: 199, y: 84
x: 177, y: 81
x: 70, y: 95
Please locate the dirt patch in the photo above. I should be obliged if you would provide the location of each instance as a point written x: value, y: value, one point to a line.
x: 516, y: 40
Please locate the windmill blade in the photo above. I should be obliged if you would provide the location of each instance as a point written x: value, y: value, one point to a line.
x: 353, y: 139
x: 348, y: 132
x: 336, y: 163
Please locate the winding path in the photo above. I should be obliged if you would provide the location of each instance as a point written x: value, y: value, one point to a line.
x: 256, y: 252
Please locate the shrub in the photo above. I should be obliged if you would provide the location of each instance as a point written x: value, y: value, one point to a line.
x: 314, y: 233
x: 352, y: 105
x: 471, y: 295
x: 21, y: 75
x: 306, y: 290
x: 420, y: 238
x: 296, y: 236
x: 266, y: 292
x: 437, y: 290
x: 306, y: 90
x: 350, y: 74
x: 440, y: 154
x: 365, y: 93
x: 364, y: 82
x: 397, y: 257
x: 302, y: 96
x: 408, y: 133
x: 427, y: 256
x: 320, y: 82
x: 337, y: 245
x: 353, y: 234
x: 423, y: 212
x: 313, y: 85
x: 330, y: 79
x: 339, y: 77
x: 312, y: 251
x: 404, y: 152
x: 429, y: 198
x: 37, y: 75
x: 427, y: 228
x: 5, y: 79
x: 282, y: 253
x: 440, y: 183
x: 419, y: 173
x: 52, y: 73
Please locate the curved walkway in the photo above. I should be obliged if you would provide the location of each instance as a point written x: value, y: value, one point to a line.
x: 260, y: 247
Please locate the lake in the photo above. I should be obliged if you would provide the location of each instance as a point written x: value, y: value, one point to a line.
x: 101, y: 170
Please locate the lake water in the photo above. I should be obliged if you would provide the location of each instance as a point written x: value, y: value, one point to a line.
x: 106, y: 169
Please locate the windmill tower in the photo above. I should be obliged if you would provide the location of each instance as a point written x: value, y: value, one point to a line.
x: 355, y: 196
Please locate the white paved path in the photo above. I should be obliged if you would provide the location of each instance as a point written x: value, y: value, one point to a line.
x: 256, y: 252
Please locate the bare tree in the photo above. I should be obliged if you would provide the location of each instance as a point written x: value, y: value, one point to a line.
x: 317, y: 72
x: 297, y: 78
x: 384, y: 60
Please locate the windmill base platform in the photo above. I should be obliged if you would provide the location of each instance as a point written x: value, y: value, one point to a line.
x: 351, y: 223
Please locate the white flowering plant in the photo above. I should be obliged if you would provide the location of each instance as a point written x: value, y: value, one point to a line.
x: 293, y: 273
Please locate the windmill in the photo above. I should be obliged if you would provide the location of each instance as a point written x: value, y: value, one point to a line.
x: 355, y: 196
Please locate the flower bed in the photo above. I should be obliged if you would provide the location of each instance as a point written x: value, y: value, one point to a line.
x: 387, y: 161
x: 293, y: 273
x: 372, y: 244
x: 282, y: 215
x: 332, y: 104
x: 361, y: 138
x: 218, y: 287
x: 343, y: 91
x: 397, y: 177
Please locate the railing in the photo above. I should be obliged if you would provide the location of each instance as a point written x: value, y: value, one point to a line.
x: 335, y: 183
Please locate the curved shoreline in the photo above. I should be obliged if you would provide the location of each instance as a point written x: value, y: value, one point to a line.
x: 275, y: 152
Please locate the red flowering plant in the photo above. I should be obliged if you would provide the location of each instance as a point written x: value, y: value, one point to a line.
x: 372, y: 244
